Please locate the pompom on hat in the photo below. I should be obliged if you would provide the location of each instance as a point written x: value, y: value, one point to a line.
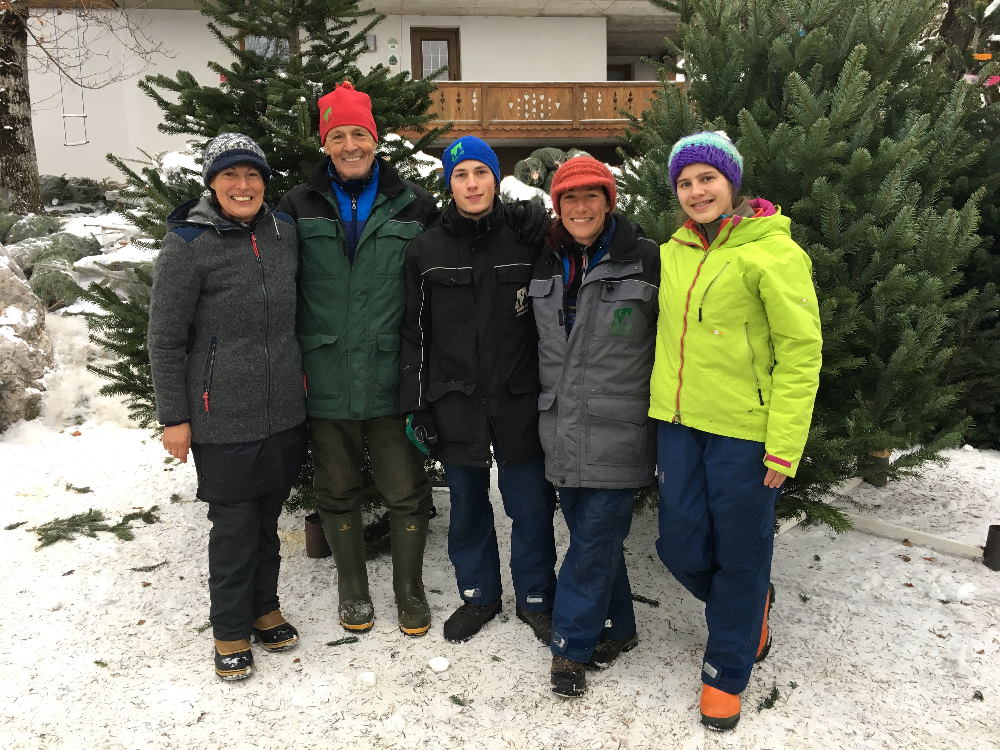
x: 580, y: 172
x: 345, y: 105
x: 706, y: 147
x: 465, y: 148
x: 229, y: 149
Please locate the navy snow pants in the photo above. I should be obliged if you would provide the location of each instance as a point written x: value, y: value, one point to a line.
x: 593, y: 597
x: 717, y: 538
x: 529, y: 500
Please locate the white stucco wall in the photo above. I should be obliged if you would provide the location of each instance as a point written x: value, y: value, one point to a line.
x: 122, y: 120
x: 509, y: 48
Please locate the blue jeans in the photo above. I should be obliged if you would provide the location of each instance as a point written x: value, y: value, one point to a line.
x: 593, y: 582
x: 717, y: 538
x: 529, y: 500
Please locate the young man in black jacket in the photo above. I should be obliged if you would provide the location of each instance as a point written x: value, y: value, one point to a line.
x: 469, y: 378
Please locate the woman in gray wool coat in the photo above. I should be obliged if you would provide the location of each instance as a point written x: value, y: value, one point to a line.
x: 227, y: 373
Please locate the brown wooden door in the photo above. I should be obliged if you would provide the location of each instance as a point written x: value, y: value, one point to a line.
x: 433, y: 48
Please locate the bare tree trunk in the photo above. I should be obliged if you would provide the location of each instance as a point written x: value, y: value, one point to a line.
x: 18, y: 161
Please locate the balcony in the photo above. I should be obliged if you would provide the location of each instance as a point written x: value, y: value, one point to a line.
x: 531, y: 113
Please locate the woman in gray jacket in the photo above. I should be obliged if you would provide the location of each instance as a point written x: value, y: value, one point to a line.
x: 227, y: 373
x: 594, y: 297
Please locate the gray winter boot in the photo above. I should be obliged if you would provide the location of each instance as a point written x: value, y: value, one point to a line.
x: 408, y: 534
x: 345, y: 532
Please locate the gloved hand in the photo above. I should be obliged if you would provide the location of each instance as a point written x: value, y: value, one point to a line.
x: 421, y: 431
x: 529, y: 221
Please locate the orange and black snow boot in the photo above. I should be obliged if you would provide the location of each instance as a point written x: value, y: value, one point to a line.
x: 719, y: 710
x: 764, y: 648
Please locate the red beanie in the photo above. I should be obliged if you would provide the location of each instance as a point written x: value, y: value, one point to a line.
x: 580, y: 172
x: 345, y: 105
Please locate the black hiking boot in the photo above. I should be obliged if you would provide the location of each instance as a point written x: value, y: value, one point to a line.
x: 569, y: 678
x: 608, y: 650
x: 540, y: 622
x: 233, y: 659
x: 468, y: 620
x: 274, y: 632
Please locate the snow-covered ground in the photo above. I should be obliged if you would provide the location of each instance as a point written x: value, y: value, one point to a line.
x: 877, y: 645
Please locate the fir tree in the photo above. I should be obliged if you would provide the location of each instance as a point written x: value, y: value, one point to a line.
x: 967, y: 29
x: 837, y: 110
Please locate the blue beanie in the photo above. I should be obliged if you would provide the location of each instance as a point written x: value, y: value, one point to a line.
x: 465, y: 148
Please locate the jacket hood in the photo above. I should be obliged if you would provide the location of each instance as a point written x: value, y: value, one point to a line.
x: 460, y: 225
x: 390, y: 183
x: 201, y: 211
x: 622, y: 245
x: 767, y: 221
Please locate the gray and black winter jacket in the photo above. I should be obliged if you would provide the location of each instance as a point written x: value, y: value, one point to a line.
x: 222, y: 325
x: 594, y: 395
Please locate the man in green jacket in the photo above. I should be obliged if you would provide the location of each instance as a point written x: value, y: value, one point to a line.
x: 356, y: 216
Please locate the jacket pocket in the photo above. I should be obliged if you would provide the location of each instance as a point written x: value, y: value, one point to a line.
x: 753, y: 365
x: 547, y: 307
x: 387, y: 362
x: 513, y: 281
x: 548, y: 418
x: 391, y: 241
x: 322, y: 254
x: 616, y: 431
x: 206, y: 391
x: 626, y: 310
x: 704, y: 295
x: 322, y: 362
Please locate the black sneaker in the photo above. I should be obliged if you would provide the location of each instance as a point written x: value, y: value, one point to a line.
x: 235, y: 661
x: 468, y: 620
x: 608, y: 650
x: 279, y: 638
x: 540, y: 622
x: 569, y: 678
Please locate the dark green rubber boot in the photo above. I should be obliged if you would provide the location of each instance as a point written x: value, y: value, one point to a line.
x: 345, y: 533
x: 409, y: 533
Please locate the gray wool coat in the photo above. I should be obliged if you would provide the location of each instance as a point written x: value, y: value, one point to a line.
x: 594, y: 398
x: 222, y: 340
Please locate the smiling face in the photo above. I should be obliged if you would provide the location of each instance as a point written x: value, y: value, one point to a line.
x: 351, y: 148
x: 473, y: 187
x: 240, y: 191
x: 583, y: 212
x: 704, y: 193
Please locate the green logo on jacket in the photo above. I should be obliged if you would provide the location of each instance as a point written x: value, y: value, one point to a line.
x: 621, y: 322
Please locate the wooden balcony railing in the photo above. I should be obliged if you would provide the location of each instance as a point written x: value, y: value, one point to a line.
x: 517, y: 111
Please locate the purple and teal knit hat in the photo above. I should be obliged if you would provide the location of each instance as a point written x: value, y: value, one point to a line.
x: 714, y: 149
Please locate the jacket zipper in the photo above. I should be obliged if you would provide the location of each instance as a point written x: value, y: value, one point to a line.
x: 354, y: 223
x: 708, y: 288
x: 209, y: 371
x: 680, y: 366
x: 706, y: 249
x: 753, y: 362
x: 267, y: 355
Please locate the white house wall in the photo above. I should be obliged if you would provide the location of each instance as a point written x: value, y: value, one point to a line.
x: 122, y: 120
x: 508, y: 48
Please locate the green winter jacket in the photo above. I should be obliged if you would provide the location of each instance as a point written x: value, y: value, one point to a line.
x: 738, y: 342
x: 348, y: 315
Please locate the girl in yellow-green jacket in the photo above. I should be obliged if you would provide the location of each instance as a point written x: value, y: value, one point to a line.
x: 738, y: 353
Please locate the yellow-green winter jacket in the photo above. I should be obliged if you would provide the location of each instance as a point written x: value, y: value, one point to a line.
x: 738, y: 342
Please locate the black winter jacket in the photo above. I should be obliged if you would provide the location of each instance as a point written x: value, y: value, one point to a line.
x: 469, y: 344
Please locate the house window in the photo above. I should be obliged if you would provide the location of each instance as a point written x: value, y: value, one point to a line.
x: 265, y: 46
x: 432, y: 49
x: 621, y: 72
